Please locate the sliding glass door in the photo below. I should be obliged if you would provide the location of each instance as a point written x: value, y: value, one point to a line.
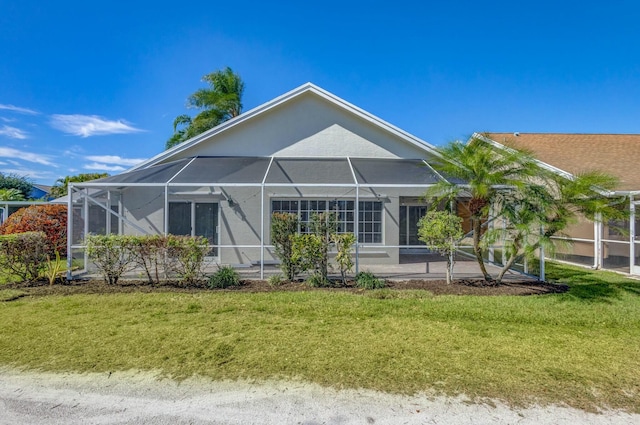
x: 195, y: 219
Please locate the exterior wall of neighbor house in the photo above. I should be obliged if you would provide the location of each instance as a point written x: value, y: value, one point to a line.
x: 307, y: 126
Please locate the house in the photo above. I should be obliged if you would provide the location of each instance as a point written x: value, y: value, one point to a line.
x: 39, y: 194
x: 595, y: 244
x: 40, y: 191
x: 305, y: 151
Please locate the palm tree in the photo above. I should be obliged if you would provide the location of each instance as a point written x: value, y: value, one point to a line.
x: 487, y: 177
x: 531, y: 203
x: 11, y: 195
x: 219, y: 103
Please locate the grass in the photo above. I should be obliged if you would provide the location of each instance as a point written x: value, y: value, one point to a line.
x: 581, y: 348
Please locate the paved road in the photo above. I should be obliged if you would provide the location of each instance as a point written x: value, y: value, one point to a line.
x: 47, y: 399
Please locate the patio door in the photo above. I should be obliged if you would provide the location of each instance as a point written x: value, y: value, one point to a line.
x: 195, y: 219
x: 409, y: 217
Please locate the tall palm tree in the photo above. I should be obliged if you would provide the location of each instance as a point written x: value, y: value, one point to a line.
x: 219, y: 103
x: 487, y: 177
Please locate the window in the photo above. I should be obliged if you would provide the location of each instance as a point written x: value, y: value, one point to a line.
x: 370, y: 215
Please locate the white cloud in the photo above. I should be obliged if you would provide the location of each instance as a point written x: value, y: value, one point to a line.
x: 18, y: 109
x: 103, y: 167
x: 32, y: 174
x: 26, y: 156
x: 5, y: 119
x: 14, y: 133
x: 114, y: 159
x: 90, y: 125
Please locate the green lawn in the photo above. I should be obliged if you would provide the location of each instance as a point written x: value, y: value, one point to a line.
x: 581, y: 348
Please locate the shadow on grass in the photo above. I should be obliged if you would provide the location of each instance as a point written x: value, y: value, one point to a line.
x: 592, y: 285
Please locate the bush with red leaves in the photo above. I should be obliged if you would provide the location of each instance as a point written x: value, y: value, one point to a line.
x: 50, y: 219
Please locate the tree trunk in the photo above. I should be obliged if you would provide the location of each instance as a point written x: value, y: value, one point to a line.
x: 477, y: 227
x: 449, y: 270
x: 510, y: 260
x: 505, y: 268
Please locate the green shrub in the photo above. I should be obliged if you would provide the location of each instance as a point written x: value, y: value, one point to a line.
x: 111, y: 254
x: 149, y: 253
x: 317, y: 280
x: 284, y: 226
x: 367, y: 280
x: 276, y: 280
x: 186, y: 256
x: 225, y: 276
x: 23, y: 255
x: 344, y: 242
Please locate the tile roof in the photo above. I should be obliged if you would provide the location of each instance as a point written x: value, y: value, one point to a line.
x: 615, y: 154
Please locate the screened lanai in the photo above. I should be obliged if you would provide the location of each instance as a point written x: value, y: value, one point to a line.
x: 229, y: 200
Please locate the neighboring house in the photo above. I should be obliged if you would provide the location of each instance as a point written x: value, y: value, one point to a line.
x: 41, y: 192
x: 305, y: 151
x: 595, y: 244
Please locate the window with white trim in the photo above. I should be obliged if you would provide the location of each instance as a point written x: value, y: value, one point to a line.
x: 370, y: 215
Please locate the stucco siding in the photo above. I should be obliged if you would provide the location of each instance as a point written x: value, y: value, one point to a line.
x: 306, y: 126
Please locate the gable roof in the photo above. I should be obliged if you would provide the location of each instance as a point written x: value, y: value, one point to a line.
x: 402, y: 135
x: 615, y: 154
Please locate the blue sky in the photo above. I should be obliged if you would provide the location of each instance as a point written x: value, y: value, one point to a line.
x: 94, y: 86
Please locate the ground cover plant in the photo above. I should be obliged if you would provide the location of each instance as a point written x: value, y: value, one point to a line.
x: 579, y: 347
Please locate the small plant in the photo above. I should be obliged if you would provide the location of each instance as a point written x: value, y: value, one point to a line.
x: 111, y: 255
x: 276, y: 280
x: 367, y: 280
x: 441, y: 230
x: 317, y: 280
x: 284, y: 226
x: 53, y: 268
x: 22, y: 255
x: 186, y: 255
x: 344, y: 242
x: 225, y: 276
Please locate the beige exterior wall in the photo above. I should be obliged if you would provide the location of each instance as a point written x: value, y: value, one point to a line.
x: 306, y: 126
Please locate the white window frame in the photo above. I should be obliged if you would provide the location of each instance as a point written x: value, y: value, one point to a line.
x: 327, y: 202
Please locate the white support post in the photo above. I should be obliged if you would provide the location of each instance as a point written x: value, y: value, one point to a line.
x: 356, y: 226
x: 597, y: 240
x: 69, y: 231
x: 632, y: 235
x: 166, y: 210
x: 108, y: 213
x: 85, y: 207
x: 262, y: 232
x: 542, y: 260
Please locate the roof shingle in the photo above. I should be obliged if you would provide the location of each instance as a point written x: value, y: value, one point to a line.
x: 615, y: 154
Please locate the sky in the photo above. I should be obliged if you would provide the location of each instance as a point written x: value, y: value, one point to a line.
x: 94, y: 86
